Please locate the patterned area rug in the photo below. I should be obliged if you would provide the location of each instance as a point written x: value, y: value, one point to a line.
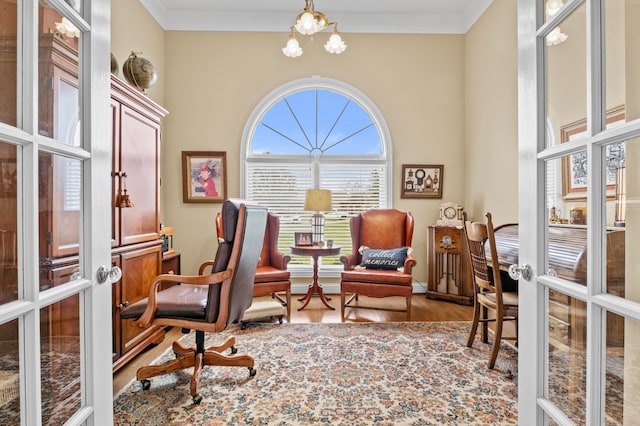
x: 341, y: 374
x: 60, y: 380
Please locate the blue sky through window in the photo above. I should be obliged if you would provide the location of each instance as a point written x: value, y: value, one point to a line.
x: 316, y: 122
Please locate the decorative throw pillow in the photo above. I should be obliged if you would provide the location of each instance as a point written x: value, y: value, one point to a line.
x: 383, y: 259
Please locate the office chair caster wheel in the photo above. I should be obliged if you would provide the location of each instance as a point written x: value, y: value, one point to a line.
x: 146, y: 384
x: 234, y: 350
x: 252, y: 371
x: 197, y: 399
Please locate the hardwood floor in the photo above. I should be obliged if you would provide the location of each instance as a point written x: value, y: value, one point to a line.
x: 422, y: 309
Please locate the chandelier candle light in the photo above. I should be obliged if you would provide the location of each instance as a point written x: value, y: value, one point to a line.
x: 310, y: 22
x: 318, y: 201
x: 556, y: 36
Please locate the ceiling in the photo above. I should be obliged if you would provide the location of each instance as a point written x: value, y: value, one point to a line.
x: 353, y: 16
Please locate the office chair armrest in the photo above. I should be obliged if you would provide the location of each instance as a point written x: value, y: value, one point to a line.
x: 204, y: 265
x: 149, y: 313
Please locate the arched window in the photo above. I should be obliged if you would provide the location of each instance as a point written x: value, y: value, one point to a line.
x: 316, y: 133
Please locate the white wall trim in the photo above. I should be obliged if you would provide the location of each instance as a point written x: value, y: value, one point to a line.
x: 205, y: 17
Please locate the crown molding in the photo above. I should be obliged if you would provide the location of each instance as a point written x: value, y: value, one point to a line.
x: 442, y: 17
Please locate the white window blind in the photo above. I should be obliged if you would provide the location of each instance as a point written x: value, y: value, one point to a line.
x: 282, y: 186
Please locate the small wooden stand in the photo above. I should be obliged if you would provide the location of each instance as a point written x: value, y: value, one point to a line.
x: 315, y: 288
x: 449, y: 272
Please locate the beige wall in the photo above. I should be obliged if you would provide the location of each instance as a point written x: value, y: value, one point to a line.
x: 491, y: 115
x: 430, y: 88
x: 133, y: 29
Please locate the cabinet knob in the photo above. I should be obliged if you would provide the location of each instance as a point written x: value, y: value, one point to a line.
x: 123, y: 305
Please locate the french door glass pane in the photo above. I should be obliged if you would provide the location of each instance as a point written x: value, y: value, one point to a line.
x: 614, y: 52
x: 622, y: 209
x: 621, y: 389
x: 60, y: 203
x: 76, y: 4
x: 622, y: 65
x: 58, y: 100
x: 8, y: 62
x: 566, y: 187
x: 551, y: 8
x: 9, y: 374
x: 566, y: 79
x: 623, y: 373
x: 554, y: 198
x: 60, y: 360
x: 8, y: 223
x: 567, y: 355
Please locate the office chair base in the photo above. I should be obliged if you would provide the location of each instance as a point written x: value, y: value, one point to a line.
x: 191, y: 357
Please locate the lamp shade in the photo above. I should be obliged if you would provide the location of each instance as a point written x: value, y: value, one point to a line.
x: 318, y: 200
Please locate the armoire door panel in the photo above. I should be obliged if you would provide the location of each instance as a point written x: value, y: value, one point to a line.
x: 60, y: 178
x: 139, y: 268
x: 139, y: 153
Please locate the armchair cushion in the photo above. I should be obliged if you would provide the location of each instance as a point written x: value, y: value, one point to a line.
x: 267, y: 274
x: 376, y: 276
x: 392, y: 259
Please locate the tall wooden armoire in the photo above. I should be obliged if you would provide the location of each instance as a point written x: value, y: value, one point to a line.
x: 135, y: 226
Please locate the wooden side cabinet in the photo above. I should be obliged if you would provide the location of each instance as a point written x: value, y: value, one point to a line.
x: 449, y: 272
x: 170, y: 265
x: 140, y: 264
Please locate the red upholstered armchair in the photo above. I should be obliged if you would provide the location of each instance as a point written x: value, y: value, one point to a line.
x: 272, y: 277
x: 384, y: 229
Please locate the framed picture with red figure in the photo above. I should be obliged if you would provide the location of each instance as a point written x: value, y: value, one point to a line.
x: 204, y: 176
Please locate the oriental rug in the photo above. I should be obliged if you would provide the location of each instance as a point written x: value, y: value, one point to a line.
x: 406, y: 373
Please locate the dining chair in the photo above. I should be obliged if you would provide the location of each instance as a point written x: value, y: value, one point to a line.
x: 488, y: 294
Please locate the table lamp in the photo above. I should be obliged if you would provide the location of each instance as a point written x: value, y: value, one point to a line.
x: 318, y: 201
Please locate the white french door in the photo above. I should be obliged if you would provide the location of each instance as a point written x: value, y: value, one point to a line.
x: 55, y: 162
x: 579, y: 211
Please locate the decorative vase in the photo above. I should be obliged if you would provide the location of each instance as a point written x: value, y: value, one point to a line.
x: 114, y: 65
x: 139, y: 72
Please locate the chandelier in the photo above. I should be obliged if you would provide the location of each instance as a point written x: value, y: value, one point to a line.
x: 310, y: 22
